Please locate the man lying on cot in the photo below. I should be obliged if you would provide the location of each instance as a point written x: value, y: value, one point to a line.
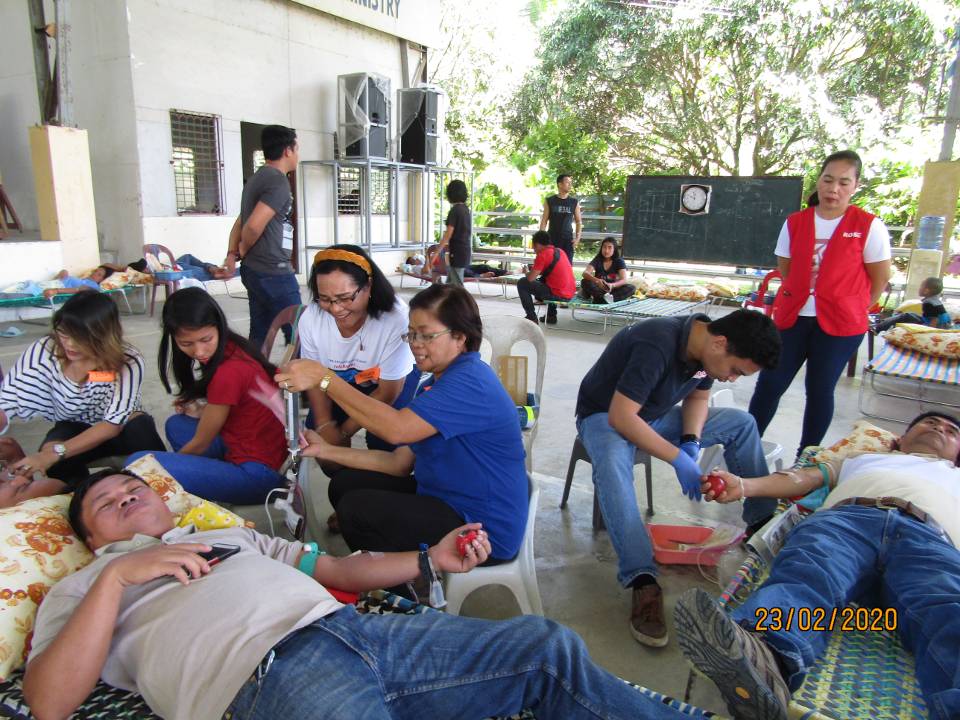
x: 151, y: 614
x: 885, y: 538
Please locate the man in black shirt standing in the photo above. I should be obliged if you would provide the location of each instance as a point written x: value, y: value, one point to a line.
x: 560, y: 213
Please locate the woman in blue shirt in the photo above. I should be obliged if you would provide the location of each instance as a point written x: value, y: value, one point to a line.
x: 460, y: 455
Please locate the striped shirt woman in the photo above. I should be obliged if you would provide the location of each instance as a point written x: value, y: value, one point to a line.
x: 87, y: 381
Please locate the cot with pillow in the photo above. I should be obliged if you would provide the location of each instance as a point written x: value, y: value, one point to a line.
x: 38, y: 548
x: 861, y: 674
x: 909, y: 374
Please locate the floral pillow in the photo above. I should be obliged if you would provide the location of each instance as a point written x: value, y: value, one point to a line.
x: 641, y: 284
x: 38, y: 549
x: 718, y: 288
x: 865, y: 437
x: 926, y: 340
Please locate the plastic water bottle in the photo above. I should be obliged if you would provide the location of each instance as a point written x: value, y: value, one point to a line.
x: 930, y: 232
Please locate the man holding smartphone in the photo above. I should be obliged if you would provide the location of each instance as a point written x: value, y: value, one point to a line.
x: 260, y: 636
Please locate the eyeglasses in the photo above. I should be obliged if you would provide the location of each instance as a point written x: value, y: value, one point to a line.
x: 340, y: 299
x: 415, y: 337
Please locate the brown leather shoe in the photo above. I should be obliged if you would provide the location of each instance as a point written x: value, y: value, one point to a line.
x: 646, y: 616
x: 743, y: 667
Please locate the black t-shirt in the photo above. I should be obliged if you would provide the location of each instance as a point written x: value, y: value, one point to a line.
x: 560, y: 220
x: 460, y: 246
x: 647, y: 363
x: 932, y: 307
x: 611, y: 275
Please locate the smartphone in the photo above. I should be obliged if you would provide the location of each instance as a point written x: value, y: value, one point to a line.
x: 219, y: 553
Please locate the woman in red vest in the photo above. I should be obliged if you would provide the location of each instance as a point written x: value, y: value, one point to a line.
x: 835, y: 261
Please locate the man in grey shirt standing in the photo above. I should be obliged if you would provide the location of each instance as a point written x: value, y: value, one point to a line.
x: 263, y: 233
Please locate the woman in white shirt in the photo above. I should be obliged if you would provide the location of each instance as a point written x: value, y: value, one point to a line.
x: 354, y: 327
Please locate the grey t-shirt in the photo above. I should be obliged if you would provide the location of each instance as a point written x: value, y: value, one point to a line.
x: 271, y: 254
x: 189, y: 649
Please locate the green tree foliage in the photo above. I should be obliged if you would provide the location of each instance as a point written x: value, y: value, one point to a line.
x: 758, y: 89
x: 563, y: 145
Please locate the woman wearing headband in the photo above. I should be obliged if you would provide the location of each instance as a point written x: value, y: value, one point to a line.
x: 460, y: 454
x: 353, y: 326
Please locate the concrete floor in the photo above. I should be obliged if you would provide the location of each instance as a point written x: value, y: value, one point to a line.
x: 576, y: 567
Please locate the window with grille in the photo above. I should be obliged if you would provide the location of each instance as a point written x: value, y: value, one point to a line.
x: 197, y: 162
x: 380, y: 192
x: 349, y: 191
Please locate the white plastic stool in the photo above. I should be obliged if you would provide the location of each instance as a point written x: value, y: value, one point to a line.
x: 519, y: 575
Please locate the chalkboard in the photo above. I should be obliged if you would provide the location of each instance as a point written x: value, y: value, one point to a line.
x: 740, y: 227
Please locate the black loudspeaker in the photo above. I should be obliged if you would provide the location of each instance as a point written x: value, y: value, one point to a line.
x: 365, y: 96
x: 373, y: 144
x: 418, y: 112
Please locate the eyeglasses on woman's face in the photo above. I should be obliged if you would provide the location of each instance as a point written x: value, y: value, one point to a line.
x: 417, y: 337
x: 344, y: 299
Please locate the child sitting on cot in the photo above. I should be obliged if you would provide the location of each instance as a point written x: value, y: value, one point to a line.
x: 933, y: 313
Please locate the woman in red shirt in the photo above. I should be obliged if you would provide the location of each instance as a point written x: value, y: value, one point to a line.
x: 228, y: 444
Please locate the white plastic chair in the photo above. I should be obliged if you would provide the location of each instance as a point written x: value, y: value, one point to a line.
x: 712, y: 456
x: 519, y: 575
x: 503, y: 332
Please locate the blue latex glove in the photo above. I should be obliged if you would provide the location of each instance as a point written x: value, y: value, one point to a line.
x: 691, y: 448
x: 688, y: 473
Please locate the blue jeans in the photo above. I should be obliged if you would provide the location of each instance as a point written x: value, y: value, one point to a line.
x: 876, y: 558
x: 209, y: 475
x: 267, y: 295
x: 612, y: 456
x: 194, y: 268
x: 438, y: 666
x: 826, y: 356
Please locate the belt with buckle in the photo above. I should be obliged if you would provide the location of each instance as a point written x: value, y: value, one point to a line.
x: 904, y: 506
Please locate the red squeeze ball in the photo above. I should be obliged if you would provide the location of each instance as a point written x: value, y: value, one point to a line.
x: 464, y: 539
x: 717, y: 484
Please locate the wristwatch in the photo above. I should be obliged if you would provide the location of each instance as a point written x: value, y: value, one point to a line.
x: 689, y: 437
x: 61, y: 450
x: 325, y: 382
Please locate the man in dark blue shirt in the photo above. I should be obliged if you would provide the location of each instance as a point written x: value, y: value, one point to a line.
x: 628, y: 400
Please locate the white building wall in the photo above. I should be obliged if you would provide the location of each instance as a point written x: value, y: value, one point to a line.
x: 103, y: 105
x: 262, y: 61
x: 19, y: 110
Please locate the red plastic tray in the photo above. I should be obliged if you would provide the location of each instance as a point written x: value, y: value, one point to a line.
x: 668, y: 538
